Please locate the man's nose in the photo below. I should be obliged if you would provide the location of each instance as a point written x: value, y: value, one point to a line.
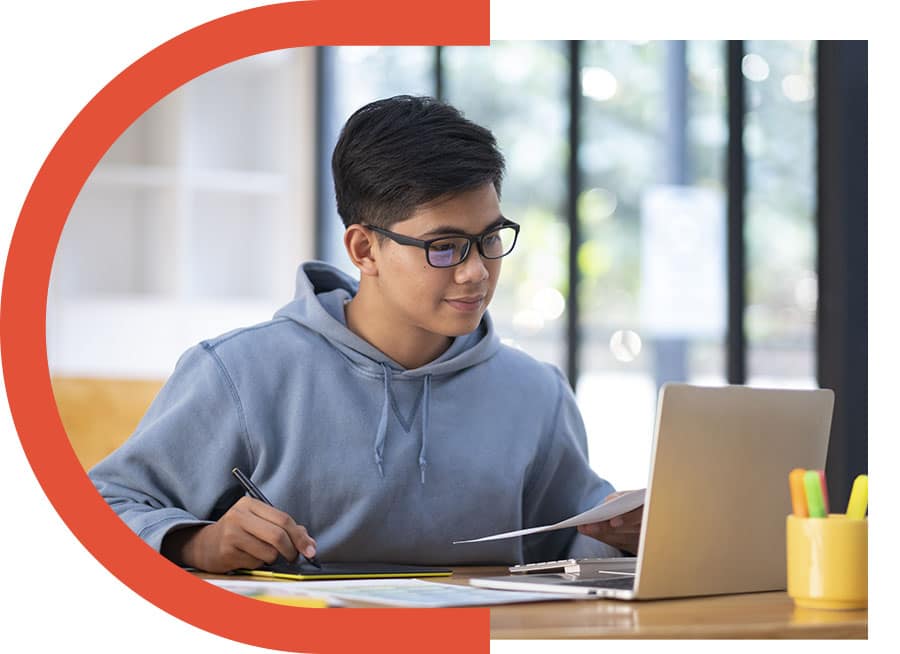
x: 472, y: 269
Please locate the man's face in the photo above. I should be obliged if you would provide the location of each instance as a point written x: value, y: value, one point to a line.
x: 444, y: 301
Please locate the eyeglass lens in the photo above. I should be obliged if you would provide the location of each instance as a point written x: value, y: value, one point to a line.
x: 450, y: 251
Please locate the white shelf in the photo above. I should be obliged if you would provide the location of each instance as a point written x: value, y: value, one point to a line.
x: 223, y: 181
x: 134, y: 175
x: 192, y: 224
x: 237, y: 181
x: 134, y: 337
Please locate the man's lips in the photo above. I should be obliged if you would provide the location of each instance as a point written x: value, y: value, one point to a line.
x: 470, y: 298
x: 468, y: 303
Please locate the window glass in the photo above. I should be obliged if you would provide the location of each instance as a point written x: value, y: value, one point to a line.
x: 652, y: 258
x: 780, y: 231
x: 362, y: 74
x: 353, y: 76
x: 518, y: 90
x: 707, y: 152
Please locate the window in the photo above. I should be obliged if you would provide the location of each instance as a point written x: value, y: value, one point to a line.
x: 350, y: 77
x: 779, y: 139
x: 517, y: 90
x: 650, y: 212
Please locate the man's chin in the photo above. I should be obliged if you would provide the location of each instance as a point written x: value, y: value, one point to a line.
x: 459, y: 327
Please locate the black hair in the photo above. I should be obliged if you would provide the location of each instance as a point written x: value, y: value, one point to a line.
x: 399, y: 153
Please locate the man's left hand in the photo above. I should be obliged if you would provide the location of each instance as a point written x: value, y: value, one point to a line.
x: 622, y: 531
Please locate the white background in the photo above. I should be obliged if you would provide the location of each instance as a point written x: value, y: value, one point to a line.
x: 55, y: 56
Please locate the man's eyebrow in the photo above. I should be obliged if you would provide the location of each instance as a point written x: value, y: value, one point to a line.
x: 450, y: 229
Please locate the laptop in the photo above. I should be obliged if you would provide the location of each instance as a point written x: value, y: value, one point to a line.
x: 717, y: 497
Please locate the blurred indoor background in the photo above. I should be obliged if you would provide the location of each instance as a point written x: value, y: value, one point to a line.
x: 691, y: 211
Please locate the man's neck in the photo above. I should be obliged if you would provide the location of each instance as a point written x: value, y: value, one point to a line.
x: 408, y: 345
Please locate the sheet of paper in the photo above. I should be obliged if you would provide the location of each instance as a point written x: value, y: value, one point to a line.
x: 413, y: 593
x: 253, y: 588
x: 603, y: 511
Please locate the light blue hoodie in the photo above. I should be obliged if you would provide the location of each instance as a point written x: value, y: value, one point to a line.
x: 381, y: 464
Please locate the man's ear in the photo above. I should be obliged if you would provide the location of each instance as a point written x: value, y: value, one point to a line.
x: 362, y: 248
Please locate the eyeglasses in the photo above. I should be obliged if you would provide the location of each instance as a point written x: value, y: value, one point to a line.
x: 449, y: 251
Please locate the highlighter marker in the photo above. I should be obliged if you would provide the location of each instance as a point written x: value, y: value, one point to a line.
x: 824, y: 491
x: 798, y: 494
x: 859, y: 498
x: 813, y: 487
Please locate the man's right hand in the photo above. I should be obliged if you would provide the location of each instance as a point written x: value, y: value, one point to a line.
x: 250, y: 534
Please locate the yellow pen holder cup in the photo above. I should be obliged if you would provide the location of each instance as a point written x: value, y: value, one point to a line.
x: 828, y: 562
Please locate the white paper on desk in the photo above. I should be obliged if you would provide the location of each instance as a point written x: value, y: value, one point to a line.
x: 412, y: 593
x: 624, y: 503
x: 277, y: 588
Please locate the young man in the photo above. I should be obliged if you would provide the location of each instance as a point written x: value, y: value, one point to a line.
x: 382, y: 417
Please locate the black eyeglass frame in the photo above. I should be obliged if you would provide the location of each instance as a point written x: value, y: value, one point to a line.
x: 426, y: 245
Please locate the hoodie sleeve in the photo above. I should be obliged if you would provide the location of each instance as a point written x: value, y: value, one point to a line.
x: 174, y: 470
x: 562, y: 484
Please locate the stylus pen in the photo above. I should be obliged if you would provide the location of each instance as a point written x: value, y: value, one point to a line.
x: 254, y: 492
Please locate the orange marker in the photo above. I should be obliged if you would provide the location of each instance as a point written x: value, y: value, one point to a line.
x: 798, y: 494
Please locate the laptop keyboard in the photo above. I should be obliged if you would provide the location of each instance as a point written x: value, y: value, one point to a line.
x: 618, y: 583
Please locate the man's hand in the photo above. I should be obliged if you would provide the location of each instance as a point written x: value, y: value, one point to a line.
x: 622, y: 531
x: 250, y: 534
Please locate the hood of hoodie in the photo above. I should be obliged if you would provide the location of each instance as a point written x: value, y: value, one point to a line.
x: 321, y: 292
x: 318, y: 304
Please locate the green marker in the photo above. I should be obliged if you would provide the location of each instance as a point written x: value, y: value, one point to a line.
x: 814, y: 500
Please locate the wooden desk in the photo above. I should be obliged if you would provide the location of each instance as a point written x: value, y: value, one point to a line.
x: 750, y: 615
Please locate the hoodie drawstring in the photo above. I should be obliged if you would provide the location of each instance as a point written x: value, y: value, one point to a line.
x: 381, y: 434
x: 383, y: 422
x: 426, y: 392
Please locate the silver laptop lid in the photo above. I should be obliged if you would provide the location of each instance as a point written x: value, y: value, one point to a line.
x: 718, y: 493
